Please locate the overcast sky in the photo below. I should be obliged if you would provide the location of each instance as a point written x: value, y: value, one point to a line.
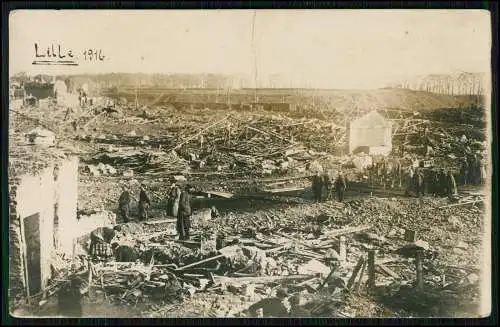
x: 329, y: 48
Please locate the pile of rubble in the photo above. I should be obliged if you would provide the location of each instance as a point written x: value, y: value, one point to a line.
x: 147, y: 162
x: 314, y: 250
x: 251, y: 144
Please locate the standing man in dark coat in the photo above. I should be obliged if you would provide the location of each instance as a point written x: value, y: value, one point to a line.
x: 317, y: 185
x: 476, y: 168
x: 124, y: 205
x: 442, y: 185
x: 325, y: 187
x: 144, y: 203
x: 340, y: 187
x: 184, y: 214
x: 419, y: 182
x: 465, y: 171
x: 434, y: 182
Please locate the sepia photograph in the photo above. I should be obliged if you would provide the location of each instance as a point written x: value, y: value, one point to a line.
x: 249, y: 163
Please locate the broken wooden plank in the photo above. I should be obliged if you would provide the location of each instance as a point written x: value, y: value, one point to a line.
x: 193, y: 275
x: 344, y: 231
x: 308, y: 255
x: 461, y: 203
x: 276, y: 249
x: 351, y: 281
x: 188, y: 242
x: 160, y: 221
x: 360, y: 279
x: 236, y: 274
x: 261, y: 279
x: 285, y: 190
x: 194, y: 264
x: 220, y: 194
x: 387, y: 270
x: 295, y: 240
x: 326, y: 279
x: 189, y: 139
x: 270, y: 134
x: 371, y: 268
x: 308, y: 281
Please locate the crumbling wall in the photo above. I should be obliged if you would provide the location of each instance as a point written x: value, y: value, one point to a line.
x: 52, y: 190
x: 16, y: 263
x: 66, y: 196
x: 47, y: 212
x: 30, y: 195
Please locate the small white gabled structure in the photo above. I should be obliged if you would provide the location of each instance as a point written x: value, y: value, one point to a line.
x: 371, y: 134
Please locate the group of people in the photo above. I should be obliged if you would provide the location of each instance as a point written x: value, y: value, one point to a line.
x: 125, y: 201
x: 472, y: 171
x: 436, y: 182
x: 178, y: 205
x: 386, y: 172
x: 322, y: 187
x: 82, y: 98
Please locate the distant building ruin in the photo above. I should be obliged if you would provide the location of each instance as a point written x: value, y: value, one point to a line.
x: 371, y: 134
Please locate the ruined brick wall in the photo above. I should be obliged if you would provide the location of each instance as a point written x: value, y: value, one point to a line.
x: 16, y: 264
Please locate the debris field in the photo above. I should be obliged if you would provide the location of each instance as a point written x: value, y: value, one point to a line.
x: 380, y: 255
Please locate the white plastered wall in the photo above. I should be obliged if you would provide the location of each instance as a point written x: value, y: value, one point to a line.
x: 66, y: 196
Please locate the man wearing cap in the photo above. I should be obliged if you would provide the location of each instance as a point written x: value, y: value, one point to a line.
x: 272, y: 306
x: 340, y: 187
x: 144, y: 203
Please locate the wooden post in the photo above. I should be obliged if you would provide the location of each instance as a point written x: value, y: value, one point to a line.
x: 371, y: 268
x: 355, y: 273
x: 420, y: 277
x: 360, y: 280
x: 342, y: 249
